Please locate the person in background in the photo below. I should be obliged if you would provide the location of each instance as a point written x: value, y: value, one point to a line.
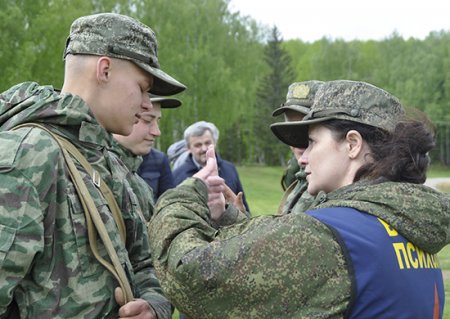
x: 366, y: 250
x: 198, y: 137
x: 177, y: 153
x: 299, y: 99
x: 53, y: 263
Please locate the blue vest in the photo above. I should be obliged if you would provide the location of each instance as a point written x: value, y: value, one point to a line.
x: 391, y: 277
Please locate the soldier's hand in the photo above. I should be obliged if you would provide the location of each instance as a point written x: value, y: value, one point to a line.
x: 210, y: 169
x: 138, y: 308
x: 216, y: 199
x: 234, y: 199
x: 210, y: 175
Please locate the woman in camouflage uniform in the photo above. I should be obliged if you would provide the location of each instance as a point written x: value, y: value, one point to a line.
x: 365, y: 250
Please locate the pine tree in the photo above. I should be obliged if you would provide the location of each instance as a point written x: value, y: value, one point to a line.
x: 270, y: 95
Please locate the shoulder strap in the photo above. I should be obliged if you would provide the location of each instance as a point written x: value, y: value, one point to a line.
x: 93, y: 218
x: 98, y: 181
x: 286, y: 194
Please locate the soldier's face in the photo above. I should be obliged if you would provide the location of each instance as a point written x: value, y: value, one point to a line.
x: 298, y: 152
x: 125, y: 96
x: 326, y: 161
x: 198, y: 145
x: 144, y: 133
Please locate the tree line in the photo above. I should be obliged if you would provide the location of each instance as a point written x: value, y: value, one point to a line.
x: 236, y: 70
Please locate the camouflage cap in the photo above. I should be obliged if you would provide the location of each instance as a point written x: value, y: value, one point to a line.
x: 166, y: 102
x: 122, y: 37
x: 300, y: 97
x: 344, y: 100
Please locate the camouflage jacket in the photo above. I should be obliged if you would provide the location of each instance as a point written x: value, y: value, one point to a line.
x: 288, y: 176
x: 296, y: 198
x: 125, y: 158
x: 284, y: 266
x: 46, y: 264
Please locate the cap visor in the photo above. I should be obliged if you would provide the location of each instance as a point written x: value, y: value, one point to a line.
x: 163, y: 84
x: 166, y: 103
x: 279, y: 111
x: 294, y: 133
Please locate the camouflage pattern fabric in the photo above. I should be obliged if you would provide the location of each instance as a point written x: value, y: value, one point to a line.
x: 285, y: 266
x: 300, y: 97
x: 125, y: 158
x: 343, y: 100
x: 289, y: 173
x: 46, y: 264
x: 296, y: 198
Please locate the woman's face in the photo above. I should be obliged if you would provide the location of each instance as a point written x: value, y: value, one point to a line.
x: 327, y: 162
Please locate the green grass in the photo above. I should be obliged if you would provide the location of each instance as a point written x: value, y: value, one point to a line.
x: 262, y: 187
x: 438, y: 171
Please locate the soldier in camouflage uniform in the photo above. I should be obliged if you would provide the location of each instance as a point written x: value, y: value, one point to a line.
x: 299, y: 99
x: 367, y: 250
x: 130, y: 149
x: 47, y: 268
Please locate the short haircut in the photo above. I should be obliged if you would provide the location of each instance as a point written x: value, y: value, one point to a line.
x: 199, y: 128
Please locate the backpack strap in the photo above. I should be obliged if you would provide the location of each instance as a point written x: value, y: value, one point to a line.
x: 92, y: 215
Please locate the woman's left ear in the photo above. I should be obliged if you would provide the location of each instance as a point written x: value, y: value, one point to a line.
x: 354, y: 143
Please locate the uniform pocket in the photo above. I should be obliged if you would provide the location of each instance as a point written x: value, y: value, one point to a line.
x: 86, y: 260
x: 7, y: 235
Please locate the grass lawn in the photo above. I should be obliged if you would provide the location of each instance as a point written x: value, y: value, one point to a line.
x: 438, y: 171
x: 262, y: 186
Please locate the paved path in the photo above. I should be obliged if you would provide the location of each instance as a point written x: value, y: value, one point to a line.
x: 432, y: 182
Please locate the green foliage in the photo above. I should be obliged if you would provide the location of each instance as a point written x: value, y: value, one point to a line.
x: 236, y: 71
x: 216, y: 54
x: 33, y: 37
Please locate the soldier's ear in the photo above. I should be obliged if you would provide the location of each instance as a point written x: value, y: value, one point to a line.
x: 103, y: 69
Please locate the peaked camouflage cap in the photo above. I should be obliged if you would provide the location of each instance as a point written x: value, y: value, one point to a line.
x: 300, y: 97
x: 165, y: 101
x: 119, y: 36
x: 344, y: 100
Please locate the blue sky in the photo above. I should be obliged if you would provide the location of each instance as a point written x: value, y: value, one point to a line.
x: 348, y: 19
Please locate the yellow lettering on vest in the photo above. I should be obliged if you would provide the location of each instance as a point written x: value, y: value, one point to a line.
x: 421, y: 256
x: 436, y: 261
x: 409, y: 255
x: 391, y: 231
x: 429, y: 261
x: 412, y: 259
x: 399, y: 252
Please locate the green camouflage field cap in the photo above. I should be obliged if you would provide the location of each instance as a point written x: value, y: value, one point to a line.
x: 166, y: 102
x: 300, y: 97
x: 118, y: 36
x: 344, y: 100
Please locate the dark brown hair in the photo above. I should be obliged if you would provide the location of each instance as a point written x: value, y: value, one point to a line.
x: 400, y: 156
